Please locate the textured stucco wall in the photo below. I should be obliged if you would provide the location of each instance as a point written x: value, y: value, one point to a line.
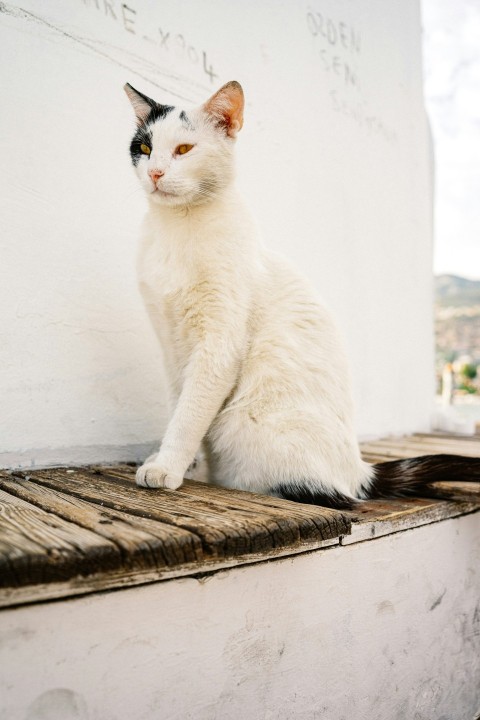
x: 333, y: 159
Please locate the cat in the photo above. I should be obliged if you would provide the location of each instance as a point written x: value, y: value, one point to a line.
x: 258, y: 384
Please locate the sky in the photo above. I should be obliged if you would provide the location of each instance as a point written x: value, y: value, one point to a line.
x: 451, y: 36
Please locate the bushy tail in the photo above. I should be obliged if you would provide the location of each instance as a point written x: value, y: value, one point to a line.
x: 395, y: 478
x: 413, y: 476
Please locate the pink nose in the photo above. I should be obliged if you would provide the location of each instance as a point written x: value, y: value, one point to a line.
x: 156, y: 175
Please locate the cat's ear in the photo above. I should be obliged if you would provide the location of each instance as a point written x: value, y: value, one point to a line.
x: 140, y: 103
x: 226, y: 107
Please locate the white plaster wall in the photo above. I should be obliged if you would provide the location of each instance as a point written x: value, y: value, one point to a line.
x: 381, y: 630
x: 333, y: 159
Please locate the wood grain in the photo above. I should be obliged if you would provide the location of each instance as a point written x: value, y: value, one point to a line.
x: 38, y: 546
x: 393, y: 448
x: 70, y: 531
x: 377, y: 518
x: 228, y: 522
x: 77, y: 530
x: 140, y: 541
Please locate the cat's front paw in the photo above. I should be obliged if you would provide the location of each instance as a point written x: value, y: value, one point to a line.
x: 151, y: 475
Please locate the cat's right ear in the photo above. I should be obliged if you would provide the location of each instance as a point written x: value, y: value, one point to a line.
x: 141, y: 104
x: 226, y: 107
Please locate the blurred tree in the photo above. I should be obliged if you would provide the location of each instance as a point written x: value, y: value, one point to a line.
x: 469, y: 371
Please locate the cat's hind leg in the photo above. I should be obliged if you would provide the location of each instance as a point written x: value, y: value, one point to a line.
x: 198, y: 468
x: 295, y: 454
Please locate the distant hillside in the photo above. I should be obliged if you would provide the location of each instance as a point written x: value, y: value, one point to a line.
x: 457, y: 318
x: 454, y: 291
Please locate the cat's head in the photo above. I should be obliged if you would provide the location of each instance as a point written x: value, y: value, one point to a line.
x: 185, y: 157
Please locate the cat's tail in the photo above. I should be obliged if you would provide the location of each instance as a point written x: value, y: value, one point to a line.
x: 393, y: 479
x: 413, y: 476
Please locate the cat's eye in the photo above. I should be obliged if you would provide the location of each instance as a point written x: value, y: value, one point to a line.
x: 182, y: 149
x: 145, y: 149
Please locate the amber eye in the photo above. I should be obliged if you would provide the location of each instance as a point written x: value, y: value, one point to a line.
x: 182, y: 149
x: 145, y: 149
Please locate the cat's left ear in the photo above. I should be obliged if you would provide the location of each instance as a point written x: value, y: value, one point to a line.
x: 226, y: 107
x: 140, y: 103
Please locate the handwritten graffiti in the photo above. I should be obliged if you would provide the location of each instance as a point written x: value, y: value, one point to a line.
x: 334, y: 32
x: 180, y: 46
x: 359, y: 113
x: 338, y: 45
x: 131, y: 20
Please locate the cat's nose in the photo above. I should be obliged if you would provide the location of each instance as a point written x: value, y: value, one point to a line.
x: 156, y: 175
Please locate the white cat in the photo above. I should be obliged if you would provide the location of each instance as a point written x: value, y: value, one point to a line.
x: 257, y: 374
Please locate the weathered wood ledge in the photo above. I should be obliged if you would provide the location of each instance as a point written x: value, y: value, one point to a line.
x: 72, y: 531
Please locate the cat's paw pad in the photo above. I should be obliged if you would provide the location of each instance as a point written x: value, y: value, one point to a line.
x: 150, y: 475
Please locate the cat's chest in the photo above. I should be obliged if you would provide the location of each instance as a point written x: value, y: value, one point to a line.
x: 161, y: 272
x: 169, y: 285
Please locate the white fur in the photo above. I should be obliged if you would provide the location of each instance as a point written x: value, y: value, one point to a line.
x: 256, y: 370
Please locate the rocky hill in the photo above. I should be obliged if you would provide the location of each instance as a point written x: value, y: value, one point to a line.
x: 457, y: 318
x: 455, y: 291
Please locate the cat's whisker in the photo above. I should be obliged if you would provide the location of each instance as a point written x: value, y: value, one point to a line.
x: 132, y: 192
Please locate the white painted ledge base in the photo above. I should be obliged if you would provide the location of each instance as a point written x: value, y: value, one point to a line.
x: 387, y: 629
x: 35, y: 458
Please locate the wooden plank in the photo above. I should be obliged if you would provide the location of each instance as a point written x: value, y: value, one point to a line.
x: 142, y: 542
x: 126, y: 578
x: 462, y: 491
x: 37, y: 546
x: 374, y: 458
x: 377, y: 518
x: 395, y: 448
x: 411, y: 451
x: 447, y: 437
x: 243, y: 523
x: 397, y: 518
x: 312, y: 519
x: 152, y: 535
x: 79, y: 530
x: 442, y: 490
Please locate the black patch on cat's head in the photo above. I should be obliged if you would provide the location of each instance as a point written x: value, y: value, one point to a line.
x: 158, y: 112
x: 186, y: 120
x: 148, y: 111
x: 143, y: 136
